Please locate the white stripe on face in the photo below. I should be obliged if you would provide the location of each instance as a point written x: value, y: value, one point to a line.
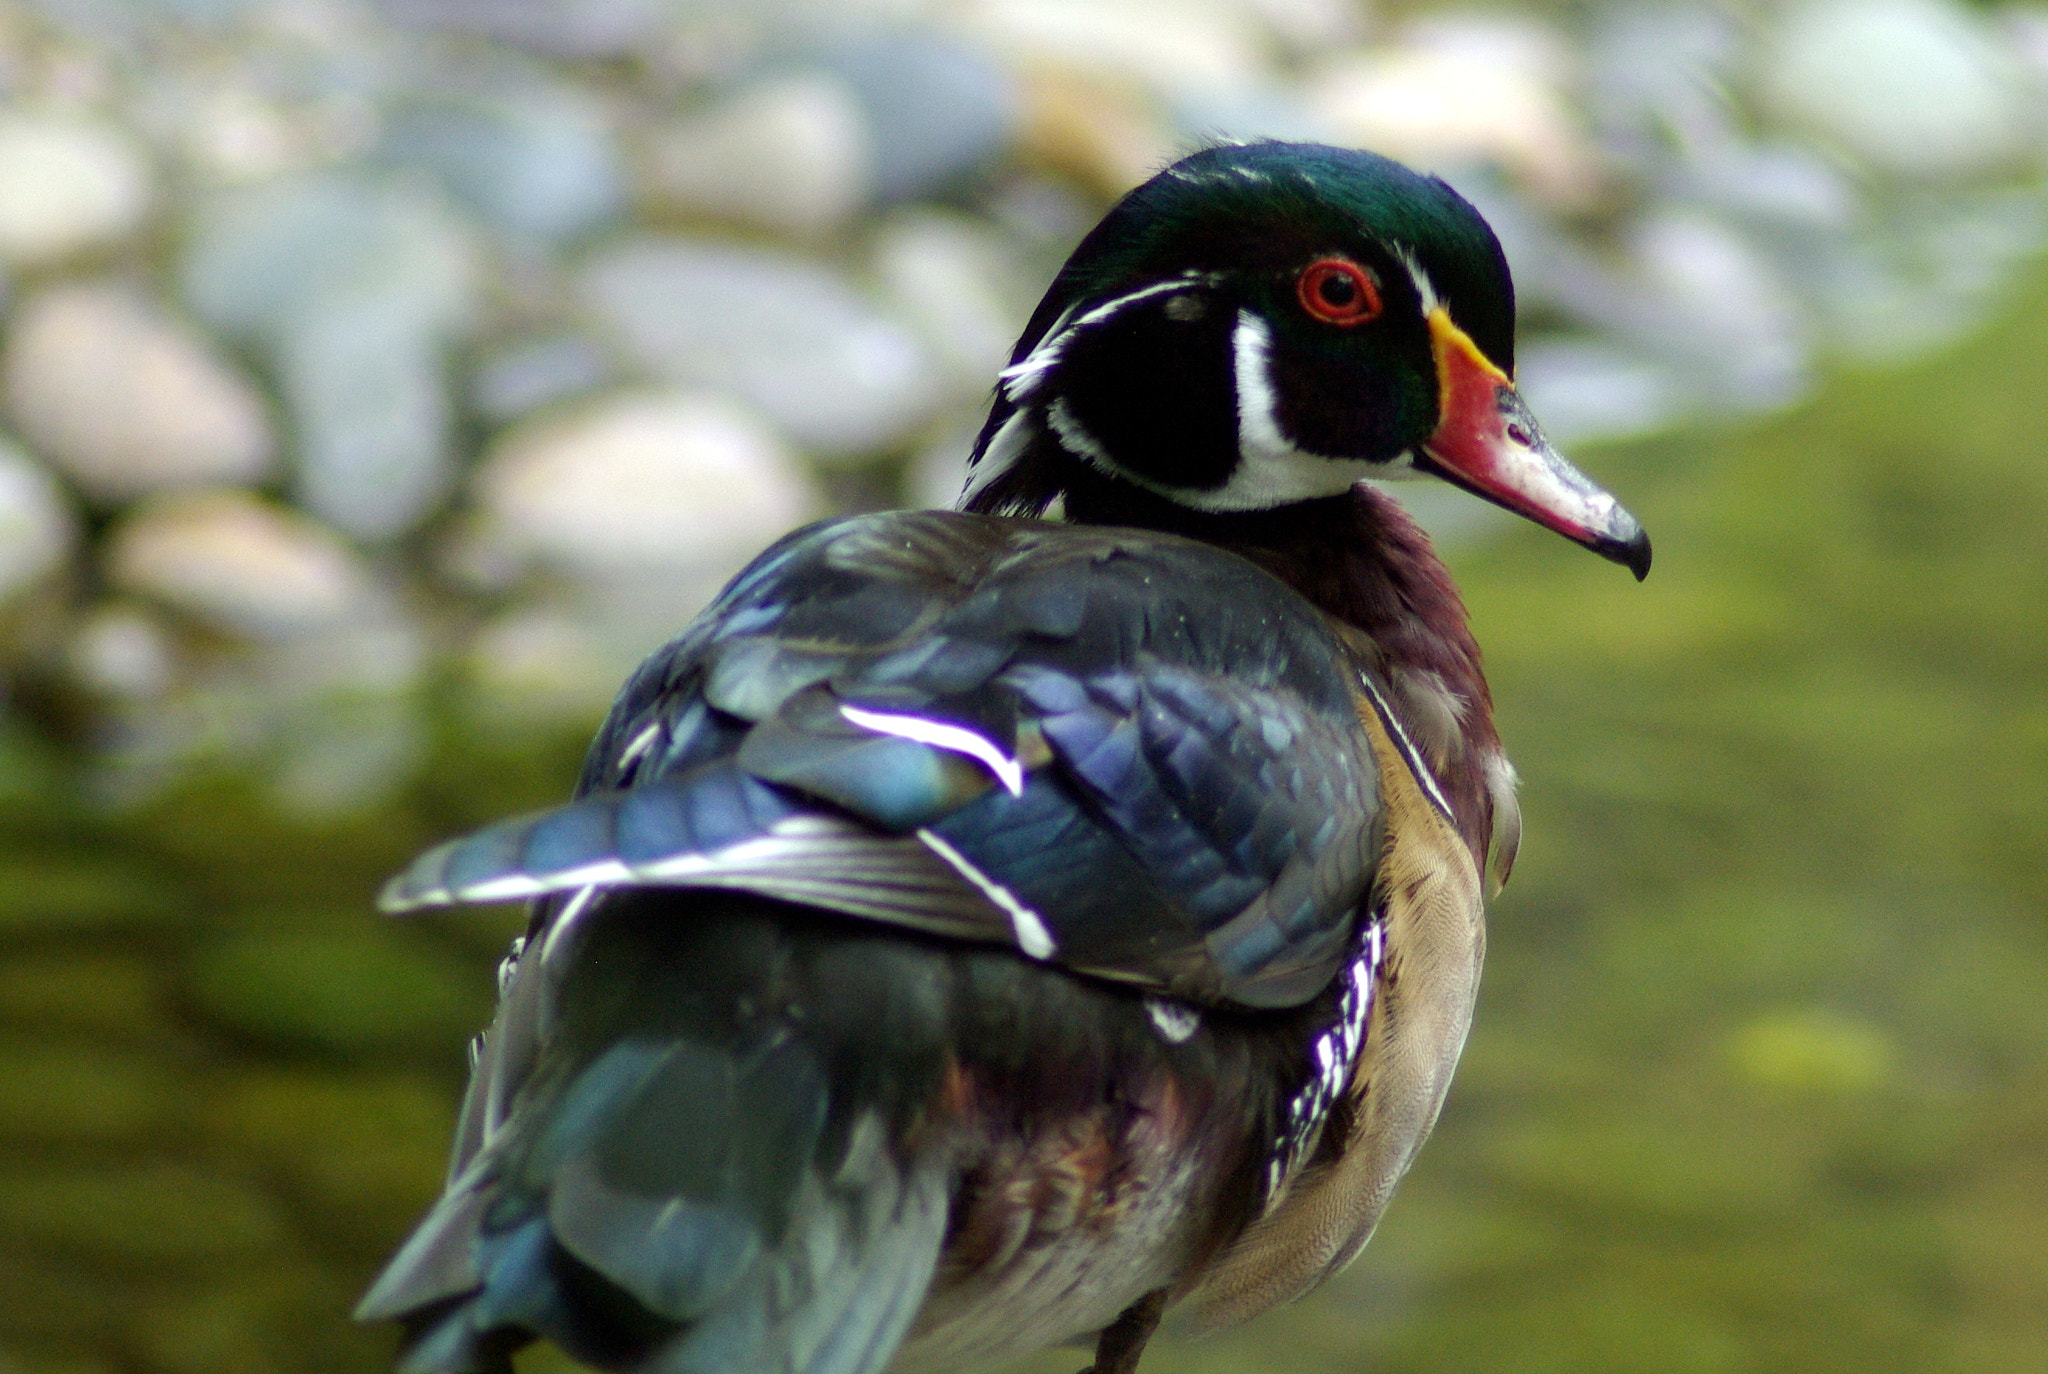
x: 1020, y: 380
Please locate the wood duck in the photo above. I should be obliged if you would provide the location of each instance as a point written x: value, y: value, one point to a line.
x: 985, y: 929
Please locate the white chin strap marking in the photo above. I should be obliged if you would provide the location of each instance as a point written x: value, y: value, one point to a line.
x: 1271, y: 469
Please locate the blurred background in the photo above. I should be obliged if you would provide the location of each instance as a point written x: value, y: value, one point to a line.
x: 379, y: 379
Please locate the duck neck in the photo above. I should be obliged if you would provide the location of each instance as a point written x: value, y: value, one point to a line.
x: 1361, y: 560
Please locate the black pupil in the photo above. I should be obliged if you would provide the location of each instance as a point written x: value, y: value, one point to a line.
x: 1338, y: 289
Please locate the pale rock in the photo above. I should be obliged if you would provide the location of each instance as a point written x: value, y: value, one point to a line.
x: 37, y: 527
x: 1658, y: 74
x: 1585, y: 390
x: 527, y: 376
x: 566, y: 28
x: 948, y: 274
x: 127, y: 400
x: 235, y: 562
x: 938, y: 472
x: 1709, y: 297
x: 258, y: 256
x: 1309, y: 27
x: 1460, y: 94
x: 356, y: 285
x: 548, y: 663
x: 643, y: 485
x: 1094, y: 130
x: 786, y: 334
x: 1919, y: 88
x: 937, y: 108
x: 123, y: 652
x: 66, y: 184
x: 530, y: 156
x: 368, y: 392
x: 1165, y: 46
x: 791, y: 153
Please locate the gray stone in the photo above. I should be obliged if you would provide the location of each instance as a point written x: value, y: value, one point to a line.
x: 37, y: 527
x: 1165, y: 46
x: 66, y: 184
x: 356, y: 286
x: 936, y: 108
x: 238, y: 563
x: 258, y: 256
x: 939, y: 471
x: 643, y: 484
x: 1584, y: 390
x: 552, y: 663
x: 369, y: 397
x: 123, y: 652
x: 1710, y: 300
x: 567, y: 28
x: 127, y: 400
x: 531, y: 158
x: 955, y: 279
x: 1914, y: 87
x: 1464, y: 92
x: 792, y: 153
x: 784, y: 333
x: 527, y: 376
x: 1655, y: 75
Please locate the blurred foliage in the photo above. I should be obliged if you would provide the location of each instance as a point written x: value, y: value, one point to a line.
x: 1759, y: 1080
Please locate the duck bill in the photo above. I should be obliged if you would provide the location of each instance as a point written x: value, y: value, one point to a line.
x: 1487, y: 442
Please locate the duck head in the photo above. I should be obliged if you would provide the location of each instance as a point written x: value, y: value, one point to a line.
x: 1270, y: 323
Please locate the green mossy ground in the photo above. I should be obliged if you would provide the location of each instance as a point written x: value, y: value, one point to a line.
x: 1759, y: 1083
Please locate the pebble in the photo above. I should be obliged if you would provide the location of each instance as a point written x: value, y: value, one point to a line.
x: 1919, y: 88
x: 937, y: 108
x: 1584, y: 390
x: 532, y: 158
x: 939, y: 471
x: 793, y: 153
x: 529, y: 375
x: 1714, y: 300
x: 258, y: 256
x: 551, y: 664
x: 66, y: 184
x: 127, y: 400
x: 786, y: 334
x: 955, y: 280
x: 368, y: 394
x: 123, y: 652
x: 37, y: 527
x: 1163, y: 46
x: 563, y: 28
x: 1460, y: 94
x: 1093, y: 130
x: 641, y: 483
x: 238, y: 564
x: 1656, y: 75
x: 356, y: 286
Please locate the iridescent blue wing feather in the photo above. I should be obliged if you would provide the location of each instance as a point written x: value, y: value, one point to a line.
x: 1126, y: 753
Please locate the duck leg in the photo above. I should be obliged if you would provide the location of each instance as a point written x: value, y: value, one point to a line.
x: 1121, y: 1343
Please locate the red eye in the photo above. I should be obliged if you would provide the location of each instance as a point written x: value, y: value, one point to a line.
x: 1338, y: 291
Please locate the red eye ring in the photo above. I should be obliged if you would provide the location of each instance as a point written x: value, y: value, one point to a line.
x: 1338, y: 291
